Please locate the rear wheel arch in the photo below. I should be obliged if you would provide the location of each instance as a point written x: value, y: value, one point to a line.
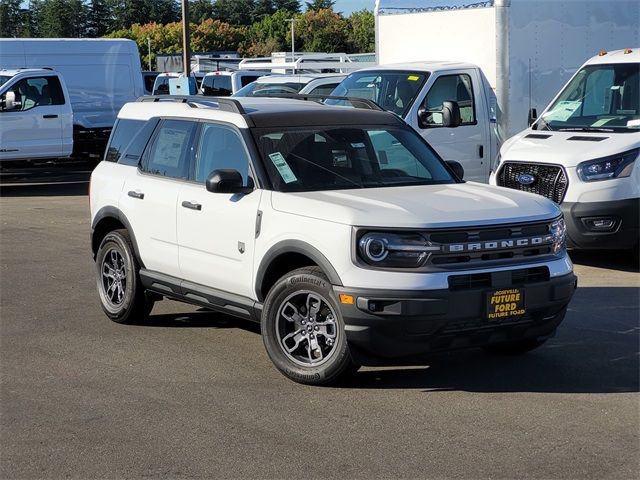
x: 107, y: 220
x: 287, y: 256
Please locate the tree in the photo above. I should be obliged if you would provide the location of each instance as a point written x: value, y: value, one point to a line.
x: 320, y: 5
x: 99, y: 18
x: 164, y: 11
x: 62, y: 18
x: 270, y: 34
x: 200, y: 10
x: 234, y: 12
x: 10, y: 18
x: 361, y: 32
x: 261, y: 9
x: 322, y: 31
x: 214, y: 35
x: 288, y: 5
x: 31, y: 19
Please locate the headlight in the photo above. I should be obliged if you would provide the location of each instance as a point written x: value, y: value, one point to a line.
x: 397, y: 250
x: 558, y: 231
x: 615, y: 166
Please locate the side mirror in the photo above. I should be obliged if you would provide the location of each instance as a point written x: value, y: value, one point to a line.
x: 226, y: 181
x: 450, y: 116
x: 457, y: 168
x: 9, y: 101
x: 532, y: 116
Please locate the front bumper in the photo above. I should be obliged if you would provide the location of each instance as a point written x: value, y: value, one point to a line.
x: 622, y: 235
x: 405, y: 324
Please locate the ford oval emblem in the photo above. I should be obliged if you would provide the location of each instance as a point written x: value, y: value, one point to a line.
x: 525, y: 179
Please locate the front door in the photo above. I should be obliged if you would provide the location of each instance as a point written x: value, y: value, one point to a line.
x: 468, y: 143
x: 216, y: 231
x: 34, y: 129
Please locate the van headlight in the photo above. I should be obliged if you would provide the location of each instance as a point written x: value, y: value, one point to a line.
x: 394, y: 250
x: 614, y: 166
x: 558, y: 231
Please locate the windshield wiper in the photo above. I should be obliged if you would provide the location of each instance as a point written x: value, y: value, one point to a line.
x: 585, y: 129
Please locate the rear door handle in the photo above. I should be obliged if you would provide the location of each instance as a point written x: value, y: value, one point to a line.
x: 138, y: 195
x: 191, y: 205
x: 50, y: 116
x: 481, y: 151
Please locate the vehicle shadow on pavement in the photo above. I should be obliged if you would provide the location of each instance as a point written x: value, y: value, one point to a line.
x: 596, y: 350
x: 52, y: 189
x: 611, y: 259
x: 199, y: 319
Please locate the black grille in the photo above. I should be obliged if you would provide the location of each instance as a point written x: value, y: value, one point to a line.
x: 522, y: 276
x: 550, y: 180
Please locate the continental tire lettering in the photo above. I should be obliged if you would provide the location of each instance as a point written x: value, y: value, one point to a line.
x: 302, y: 376
x: 312, y: 280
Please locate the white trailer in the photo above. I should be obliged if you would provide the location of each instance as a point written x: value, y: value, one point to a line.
x: 527, y: 49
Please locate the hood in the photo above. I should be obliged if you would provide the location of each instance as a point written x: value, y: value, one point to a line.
x: 566, y: 148
x: 430, y: 206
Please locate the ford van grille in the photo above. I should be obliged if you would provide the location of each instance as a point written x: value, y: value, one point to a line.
x: 547, y: 180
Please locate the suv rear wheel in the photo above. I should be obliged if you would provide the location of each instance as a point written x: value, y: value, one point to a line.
x: 303, y: 330
x: 121, y: 295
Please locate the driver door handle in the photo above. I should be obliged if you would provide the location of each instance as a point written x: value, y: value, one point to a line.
x: 191, y: 205
x: 134, y: 194
x: 50, y: 116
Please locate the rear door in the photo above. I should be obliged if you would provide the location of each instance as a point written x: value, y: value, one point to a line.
x: 35, y: 129
x: 150, y: 194
x: 468, y: 143
x: 216, y: 231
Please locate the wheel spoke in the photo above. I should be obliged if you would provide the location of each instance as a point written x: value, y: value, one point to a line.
x: 291, y: 313
x: 313, y: 305
x: 297, y: 337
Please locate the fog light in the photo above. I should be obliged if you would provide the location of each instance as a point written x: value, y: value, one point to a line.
x: 601, y: 224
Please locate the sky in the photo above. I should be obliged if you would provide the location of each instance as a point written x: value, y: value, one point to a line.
x: 348, y: 6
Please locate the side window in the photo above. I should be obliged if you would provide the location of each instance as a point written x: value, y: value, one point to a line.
x: 168, y: 153
x: 247, y: 79
x: 457, y: 88
x: 394, y: 159
x: 36, y: 91
x: 324, y: 89
x: 123, y: 132
x: 220, y: 147
x: 597, y: 96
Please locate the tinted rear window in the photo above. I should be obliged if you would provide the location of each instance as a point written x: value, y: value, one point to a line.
x: 123, y: 132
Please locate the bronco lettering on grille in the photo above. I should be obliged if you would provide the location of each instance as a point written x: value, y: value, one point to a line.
x: 498, y: 244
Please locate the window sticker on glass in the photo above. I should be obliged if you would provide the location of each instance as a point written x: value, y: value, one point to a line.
x: 633, y: 123
x: 357, y: 145
x: 413, y: 78
x: 563, y: 111
x: 283, y: 167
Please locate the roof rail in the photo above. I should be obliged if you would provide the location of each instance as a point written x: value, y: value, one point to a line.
x: 355, y: 101
x: 224, y: 103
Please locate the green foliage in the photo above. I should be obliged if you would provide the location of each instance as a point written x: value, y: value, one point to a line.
x: 270, y: 34
x: 322, y: 31
x: 10, y: 18
x: 320, y: 5
x: 361, y: 31
x: 288, y: 5
x: 234, y: 12
x: 200, y: 10
x: 62, y: 18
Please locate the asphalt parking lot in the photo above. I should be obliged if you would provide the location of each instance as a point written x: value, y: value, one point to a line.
x: 192, y: 394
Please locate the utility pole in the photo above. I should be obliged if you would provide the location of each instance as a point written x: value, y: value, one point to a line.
x: 149, y: 43
x: 186, y: 45
x: 293, y: 42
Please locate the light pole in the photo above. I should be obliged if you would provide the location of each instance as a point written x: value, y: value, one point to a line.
x: 293, y: 40
x: 186, y: 47
x: 149, y: 44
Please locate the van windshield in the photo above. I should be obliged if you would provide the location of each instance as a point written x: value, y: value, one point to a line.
x: 330, y: 158
x: 393, y: 91
x: 599, y: 98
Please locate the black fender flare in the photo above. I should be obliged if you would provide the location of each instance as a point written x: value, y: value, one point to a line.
x: 115, y: 213
x: 295, y: 246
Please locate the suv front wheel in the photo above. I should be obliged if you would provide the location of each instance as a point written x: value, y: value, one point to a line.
x: 121, y: 295
x: 303, y: 330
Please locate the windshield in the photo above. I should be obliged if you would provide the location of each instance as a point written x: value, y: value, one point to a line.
x: 4, y: 79
x: 264, y: 89
x: 328, y: 158
x: 598, y: 98
x: 393, y: 91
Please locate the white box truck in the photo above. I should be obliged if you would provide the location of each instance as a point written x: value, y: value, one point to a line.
x: 494, y: 59
x: 97, y: 77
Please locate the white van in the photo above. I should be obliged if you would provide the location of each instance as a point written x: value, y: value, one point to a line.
x: 101, y: 75
x: 582, y: 153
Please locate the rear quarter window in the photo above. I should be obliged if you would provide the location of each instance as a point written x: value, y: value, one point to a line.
x: 123, y: 132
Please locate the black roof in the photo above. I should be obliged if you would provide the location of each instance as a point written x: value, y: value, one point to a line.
x: 324, y: 115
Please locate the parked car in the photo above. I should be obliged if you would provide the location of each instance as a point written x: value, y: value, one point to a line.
x: 338, y: 229
x: 583, y: 151
x: 314, y: 84
x: 224, y: 84
x: 93, y: 79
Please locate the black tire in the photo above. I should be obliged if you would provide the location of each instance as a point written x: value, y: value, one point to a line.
x: 519, y: 347
x: 127, y: 302
x: 312, y: 362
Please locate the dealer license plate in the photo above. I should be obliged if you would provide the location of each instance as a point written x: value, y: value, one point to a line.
x: 505, y: 304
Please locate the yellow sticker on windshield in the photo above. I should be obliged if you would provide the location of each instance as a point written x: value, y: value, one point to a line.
x: 413, y: 78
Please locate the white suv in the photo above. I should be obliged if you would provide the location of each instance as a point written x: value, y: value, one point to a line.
x: 339, y: 229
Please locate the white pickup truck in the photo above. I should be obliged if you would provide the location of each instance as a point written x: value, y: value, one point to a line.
x: 34, y: 100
